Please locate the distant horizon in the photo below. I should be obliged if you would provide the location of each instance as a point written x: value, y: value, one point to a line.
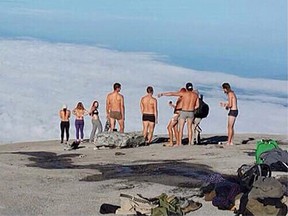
x: 244, y: 38
x: 54, y: 52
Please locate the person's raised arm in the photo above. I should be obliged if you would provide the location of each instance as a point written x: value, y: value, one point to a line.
x: 172, y: 105
x: 169, y: 94
x: 156, y: 111
x: 86, y: 112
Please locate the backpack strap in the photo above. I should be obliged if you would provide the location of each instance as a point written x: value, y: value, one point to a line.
x: 243, y: 204
x: 266, y: 168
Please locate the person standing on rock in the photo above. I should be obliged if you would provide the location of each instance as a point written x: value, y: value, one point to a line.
x: 79, y: 113
x: 190, y: 102
x: 149, y: 110
x: 96, y: 123
x: 230, y: 105
x: 173, y: 122
x: 115, y: 109
x: 64, y: 115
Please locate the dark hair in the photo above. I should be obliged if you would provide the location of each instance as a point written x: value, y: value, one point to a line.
x: 95, y: 102
x: 189, y: 86
x: 116, y: 86
x: 149, y: 89
x: 226, y: 86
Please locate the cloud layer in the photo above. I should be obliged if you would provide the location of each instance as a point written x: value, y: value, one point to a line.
x: 38, y: 77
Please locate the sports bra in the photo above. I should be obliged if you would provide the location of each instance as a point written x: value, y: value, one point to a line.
x: 95, y: 112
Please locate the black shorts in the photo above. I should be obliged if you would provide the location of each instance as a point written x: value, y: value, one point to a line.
x: 233, y: 113
x: 148, y: 117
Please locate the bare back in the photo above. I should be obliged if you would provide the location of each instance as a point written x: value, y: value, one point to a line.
x: 64, y: 116
x: 114, y: 101
x: 189, y: 100
x: 79, y: 113
x: 148, y: 105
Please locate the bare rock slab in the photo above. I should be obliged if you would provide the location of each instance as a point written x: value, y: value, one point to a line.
x: 120, y: 140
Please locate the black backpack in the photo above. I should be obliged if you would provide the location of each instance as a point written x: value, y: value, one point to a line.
x: 203, y: 110
x: 248, y: 174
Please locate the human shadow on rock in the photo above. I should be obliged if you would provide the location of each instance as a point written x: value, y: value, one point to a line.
x: 180, y: 173
x: 213, y: 140
x: 49, y: 160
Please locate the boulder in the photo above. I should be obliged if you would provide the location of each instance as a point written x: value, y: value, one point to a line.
x: 119, y: 140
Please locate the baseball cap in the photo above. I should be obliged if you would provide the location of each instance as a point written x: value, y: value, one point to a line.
x: 189, y: 86
x: 64, y: 106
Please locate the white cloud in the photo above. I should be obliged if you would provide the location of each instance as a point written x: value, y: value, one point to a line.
x: 38, y: 77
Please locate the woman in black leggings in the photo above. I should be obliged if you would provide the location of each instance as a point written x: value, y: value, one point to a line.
x: 64, y: 114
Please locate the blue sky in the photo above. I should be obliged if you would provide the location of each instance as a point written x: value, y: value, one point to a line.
x: 246, y: 38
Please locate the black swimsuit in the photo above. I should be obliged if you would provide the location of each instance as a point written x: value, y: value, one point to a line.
x: 148, y: 117
x: 95, y: 112
x: 233, y: 113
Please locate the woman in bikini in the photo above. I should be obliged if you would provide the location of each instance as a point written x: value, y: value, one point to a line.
x: 96, y: 123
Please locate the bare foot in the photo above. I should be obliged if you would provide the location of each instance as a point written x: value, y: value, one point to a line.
x: 177, y: 145
x: 168, y: 144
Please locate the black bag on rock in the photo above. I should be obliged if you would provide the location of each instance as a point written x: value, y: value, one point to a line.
x: 248, y: 174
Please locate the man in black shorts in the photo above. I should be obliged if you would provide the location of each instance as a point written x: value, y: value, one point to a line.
x: 148, y: 105
x: 230, y: 105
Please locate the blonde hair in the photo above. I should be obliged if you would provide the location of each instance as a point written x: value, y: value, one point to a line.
x: 80, y: 106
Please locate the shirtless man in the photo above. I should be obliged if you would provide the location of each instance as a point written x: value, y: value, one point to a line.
x: 148, y: 106
x: 115, y: 109
x: 230, y: 105
x: 190, y: 101
x: 173, y: 123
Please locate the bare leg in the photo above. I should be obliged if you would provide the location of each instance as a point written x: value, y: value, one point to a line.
x: 190, y: 132
x: 181, y: 123
x: 145, y: 130
x: 151, y: 126
x: 176, y: 131
x: 121, y: 125
x: 231, y: 122
x: 195, y: 133
x: 170, y: 132
x: 112, y: 124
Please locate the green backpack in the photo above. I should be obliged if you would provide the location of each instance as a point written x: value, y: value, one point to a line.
x: 168, y: 205
x: 264, y: 146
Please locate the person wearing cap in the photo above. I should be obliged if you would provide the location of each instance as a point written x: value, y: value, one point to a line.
x: 64, y: 114
x: 190, y: 101
x: 172, y: 126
